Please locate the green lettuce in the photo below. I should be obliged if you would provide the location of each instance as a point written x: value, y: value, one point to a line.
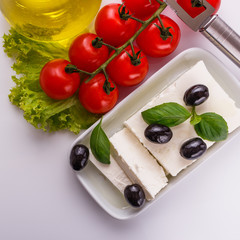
x: 40, y: 110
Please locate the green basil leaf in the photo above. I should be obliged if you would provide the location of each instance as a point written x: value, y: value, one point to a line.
x: 212, y: 127
x: 168, y: 114
x: 100, y: 145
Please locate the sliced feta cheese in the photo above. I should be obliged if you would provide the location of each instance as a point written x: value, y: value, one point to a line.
x: 113, y: 172
x: 218, y: 102
x: 140, y: 166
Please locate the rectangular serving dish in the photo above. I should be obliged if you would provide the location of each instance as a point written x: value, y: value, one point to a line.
x: 100, y: 188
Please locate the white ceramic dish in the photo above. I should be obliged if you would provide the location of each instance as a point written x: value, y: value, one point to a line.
x: 105, y: 194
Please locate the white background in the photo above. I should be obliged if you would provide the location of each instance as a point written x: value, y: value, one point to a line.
x: 40, y: 197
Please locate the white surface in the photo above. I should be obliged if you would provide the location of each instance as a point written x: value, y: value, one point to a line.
x: 40, y: 197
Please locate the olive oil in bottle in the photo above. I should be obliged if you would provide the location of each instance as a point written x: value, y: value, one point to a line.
x: 49, y: 20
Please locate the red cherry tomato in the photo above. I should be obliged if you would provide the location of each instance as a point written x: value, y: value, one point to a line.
x: 84, y: 55
x: 114, y: 30
x: 151, y: 42
x: 125, y: 72
x: 193, y: 11
x: 94, y: 98
x: 55, y: 82
x: 141, y: 9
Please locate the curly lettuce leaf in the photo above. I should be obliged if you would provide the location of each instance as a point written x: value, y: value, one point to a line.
x: 40, y: 110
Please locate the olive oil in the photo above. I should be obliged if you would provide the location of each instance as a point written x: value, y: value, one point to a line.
x: 50, y: 20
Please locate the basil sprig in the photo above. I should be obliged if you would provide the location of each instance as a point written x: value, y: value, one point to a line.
x: 209, y: 126
x: 195, y: 119
x: 100, y: 144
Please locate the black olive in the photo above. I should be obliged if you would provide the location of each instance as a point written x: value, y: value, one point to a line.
x: 196, y: 95
x: 158, y: 133
x: 134, y: 195
x: 193, y: 148
x: 79, y: 157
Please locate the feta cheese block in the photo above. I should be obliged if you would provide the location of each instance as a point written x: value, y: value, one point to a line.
x: 219, y: 102
x: 113, y: 172
x: 140, y: 166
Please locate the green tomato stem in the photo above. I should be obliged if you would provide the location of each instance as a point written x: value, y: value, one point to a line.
x: 197, y: 3
x: 110, y: 46
x: 73, y: 69
x: 137, y: 19
x: 133, y: 52
x: 135, y: 57
x: 98, y: 42
x: 164, y: 31
x: 161, y: 23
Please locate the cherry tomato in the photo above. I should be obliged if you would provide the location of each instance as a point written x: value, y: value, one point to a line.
x: 55, y: 82
x: 153, y: 44
x: 114, y: 30
x: 94, y: 98
x: 84, y: 55
x: 126, y: 72
x: 141, y: 9
x: 188, y: 6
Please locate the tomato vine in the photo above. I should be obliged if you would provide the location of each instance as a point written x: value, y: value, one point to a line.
x: 98, y: 42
